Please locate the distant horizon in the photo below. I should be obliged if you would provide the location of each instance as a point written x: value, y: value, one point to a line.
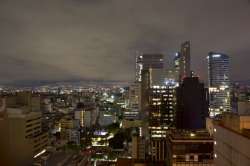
x: 37, y: 83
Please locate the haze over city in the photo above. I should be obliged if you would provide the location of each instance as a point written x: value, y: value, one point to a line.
x: 94, y: 39
x: 124, y: 83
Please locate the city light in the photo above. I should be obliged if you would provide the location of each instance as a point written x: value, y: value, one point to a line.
x: 114, y: 83
x: 40, y: 153
x: 192, y: 135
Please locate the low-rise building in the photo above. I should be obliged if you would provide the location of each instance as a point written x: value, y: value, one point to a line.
x: 189, y: 148
x: 22, y: 138
x: 138, y: 147
x: 231, y: 139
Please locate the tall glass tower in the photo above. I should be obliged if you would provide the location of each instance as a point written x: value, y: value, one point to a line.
x: 219, y: 83
x: 148, y: 61
x: 185, y: 60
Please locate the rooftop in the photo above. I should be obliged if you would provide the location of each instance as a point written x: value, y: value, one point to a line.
x: 189, y: 135
x: 239, y: 124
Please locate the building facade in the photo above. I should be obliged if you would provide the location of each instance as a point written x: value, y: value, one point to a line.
x: 147, y: 61
x: 134, y: 96
x: 22, y: 139
x: 219, y: 83
x: 184, y: 60
x: 186, y: 148
x: 231, y: 139
x: 162, y: 108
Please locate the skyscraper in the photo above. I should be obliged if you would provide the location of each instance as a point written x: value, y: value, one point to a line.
x: 219, y: 84
x: 162, y: 103
x: 184, y: 60
x: 134, y: 97
x: 147, y: 61
x: 177, y: 61
x: 176, y: 69
x: 192, y: 104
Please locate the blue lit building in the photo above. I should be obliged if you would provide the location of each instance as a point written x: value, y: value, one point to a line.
x: 219, y: 83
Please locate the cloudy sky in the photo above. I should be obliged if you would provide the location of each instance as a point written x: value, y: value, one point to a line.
x: 98, y: 39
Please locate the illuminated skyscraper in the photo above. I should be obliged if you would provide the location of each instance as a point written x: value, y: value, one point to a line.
x: 219, y: 84
x: 162, y: 106
x: 177, y: 64
x: 173, y: 73
x: 184, y: 60
x: 148, y: 61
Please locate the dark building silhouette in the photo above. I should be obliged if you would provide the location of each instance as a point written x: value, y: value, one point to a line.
x: 192, y: 104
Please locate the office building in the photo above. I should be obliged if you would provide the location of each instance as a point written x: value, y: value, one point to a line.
x: 68, y: 128
x: 106, y: 118
x: 134, y: 97
x: 219, y: 84
x: 156, y: 77
x: 158, y: 148
x: 147, y: 61
x: 183, y: 61
x: 161, y: 118
x: 189, y: 148
x: 25, y: 99
x: 86, y: 113
x: 240, y: 100
x: 145, y: 88
x: 231, y: 139
x: 177, y: 62
x: 138, y: 147
x: 162, y: 108
x: 192, y: 104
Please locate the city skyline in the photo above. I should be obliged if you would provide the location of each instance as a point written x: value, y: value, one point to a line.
x: 124, y: 83
x: 81, y: 40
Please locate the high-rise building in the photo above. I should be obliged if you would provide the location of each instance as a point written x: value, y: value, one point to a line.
x: 184, y: 60
x: 177, y: 62
x: 158, y: 103
x: 147, y: 61
x: 173, y: 73
x: 134, y: 97
x: 162, y: 109
x: 192, y: 104
x: 156, y: 76
x: 219, y: 84
x: 145, y: 88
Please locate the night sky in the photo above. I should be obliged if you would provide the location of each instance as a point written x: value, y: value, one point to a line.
x: 58, y: 40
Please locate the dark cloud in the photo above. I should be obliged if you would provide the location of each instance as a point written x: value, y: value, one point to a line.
x: 98, y: 39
